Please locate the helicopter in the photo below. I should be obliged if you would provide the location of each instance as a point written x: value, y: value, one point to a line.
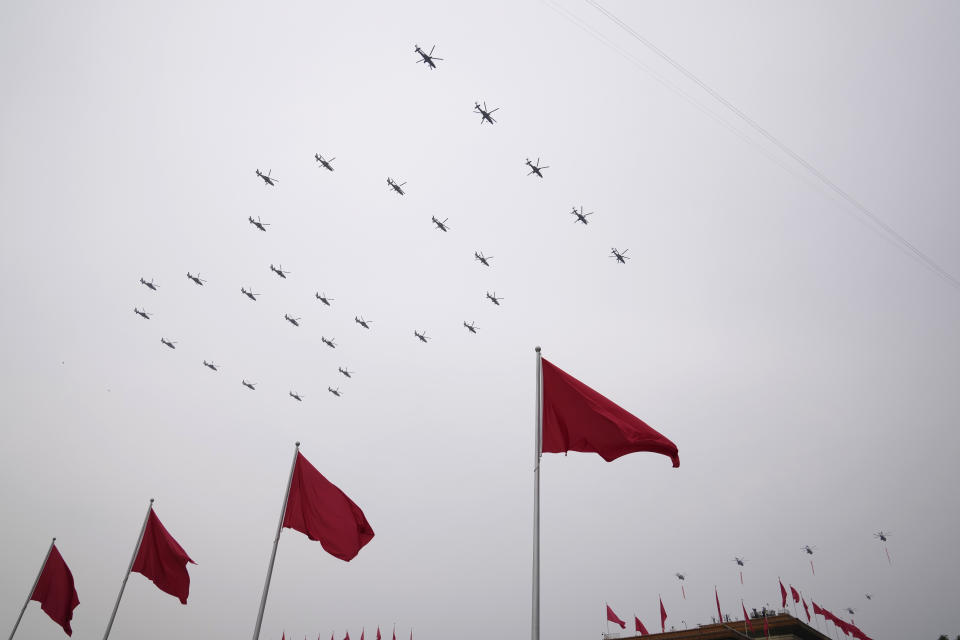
x: 211, y: 366
x: 396, y: 187
x: 581, y: 216
x: 363, y: 323
x: 470, y: 326
x: 427, y: 57
x: 335, y: 392
x: 250, y: 385
x: 739, y: 560
x: 621, y: 256
x: 267, y: 179
x: 850, y: 610
x: 258, y: 224
x: 296, y: 396
x: 168, y: 343
x: 330, y: 343
x: 279, y: 271
x: 440, y: 225
x: 485, y: 116
x: 149, y: 285
x: 294, y: 321
x: 868, y: 596
x: 196, y: 278
x: 346, y: 372
x: 324, y: 163
x: 681, y: 576
x: 493, y: 298
x: 881, y: 535
x: 423, y: 337
x: 535, y: 168
x: 324, y: 299
x: 808, y: 549
x: 141, y: 313
x: 250, y: 294
x: 484, y: 260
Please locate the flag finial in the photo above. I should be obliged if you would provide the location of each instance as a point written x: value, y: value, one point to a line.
x: 151, y: 500
x: 298, y: 444
x: 537, y: 348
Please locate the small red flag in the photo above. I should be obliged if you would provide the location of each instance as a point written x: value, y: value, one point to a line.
x: 766, y: 627
x: 577, y: 418
x: 612, y: 617
x: 55, y: 591
x: 395, y: 633
x: 817, y: 609
x: 746, y: 618
x: 793, y: 592
x: 663, y: 617
x: 642, y: 630
x: 783, y: 593
x: 378, y: 632
x: 717, y: 596
x: 161, y: 559
x: 362, y: 631
x: 805, y: 608
x: 317, y: 508
x: 347, y: 637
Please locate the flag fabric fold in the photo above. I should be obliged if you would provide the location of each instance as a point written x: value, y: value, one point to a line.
x: 612, y: 617
x: 162, y: 560
x: 324, y: 513
x: 783, y: 593
x: 55, y: 590
x: 746, y: 618
x: 806, y: 609
x: 794, y: 594
x: 663, y: 617
x: 578, y: 418
x: 642, y: 630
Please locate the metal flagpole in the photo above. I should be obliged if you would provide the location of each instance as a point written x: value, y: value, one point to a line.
x: 33, y: 588
x: 276, y: 540
x: 538, y: 445
x: 123, y: 585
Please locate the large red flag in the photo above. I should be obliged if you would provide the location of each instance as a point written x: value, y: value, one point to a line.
x: 746, y: 618
x: 783, y: 593
x: 577, y: 418
x: 642, y: 630
x: 317, y: 508
x: 793, y: 592
x: 55, y: 591
x: 663, y: 617
x: 717, y: 595
x: 161, y: 559
x: 612, y: 617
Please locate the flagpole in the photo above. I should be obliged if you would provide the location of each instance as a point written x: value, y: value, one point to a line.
x: 537, y: 445
x: 33, y: 588
x: 133, y: 558
x: 276, y: 541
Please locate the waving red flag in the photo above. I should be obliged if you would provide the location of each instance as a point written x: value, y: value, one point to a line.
x: 746, y: 618
x: 612, y: 617
x: 55, y: 591
x: 577, y: 418
x: 783, y: 593
x: 817, y: 609
x: 642, y: 630
x: 317, y: 508
x: 793, y: 592
x: 362, y: 631
x: 378, y: 632
x: 806, y: 610
x: 161, y: 559
x: 663, y: 617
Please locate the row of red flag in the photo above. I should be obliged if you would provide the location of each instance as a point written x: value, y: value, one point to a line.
x: 347, y: 636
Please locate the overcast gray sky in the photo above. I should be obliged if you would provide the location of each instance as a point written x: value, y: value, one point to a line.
x: 807, y: 367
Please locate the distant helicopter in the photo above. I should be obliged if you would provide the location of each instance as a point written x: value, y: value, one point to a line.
x: 346, y: 372
x: 739, y: 560
x: 250, y: 294
x: 259, y: 225
x: 850, y: 610
x: 881, y: 535
x: 168, y: 343
x: 581, y: 216
x: 324, y: 299
x: 141, y: 313
x: 682, y: 577
x: 485, y: 116
x: 335, y: 392
x: 808, y: 549
x: 267, y: 179
x: 395, y: 186
x: 296, y: 396
x: 440, y: 225
x: 470, y: 326
x: 484, y: 260
x: 423, y: 337
x: 363, y: 323
x: 330, y: 343
x: 196, y: 278
x: 493, y: 298
x: 294, y: 321
x: 149, y: 285
x: 427, y: 57
x: 621, y: 256
x: 535, y: 168
x: 279, y: 271
x: 324, y: 163
x: 211, y: 366
x: 868, y: 596
x: 250, y: 385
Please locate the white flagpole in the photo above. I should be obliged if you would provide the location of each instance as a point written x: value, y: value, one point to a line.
x: 538, y: 446
x: 33, y: 588
x: 123, y: 585
x: 276, y: 540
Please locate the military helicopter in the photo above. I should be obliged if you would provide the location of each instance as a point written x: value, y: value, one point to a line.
x: 396, y: 187
x: 211, y: 366
x: 324, y: 163
x: 250, y: 294
x: 581, y: 216
x: 346, y: 372
x: 267, y: 179
x: 493, y: 298
x: 141, y: 313
x: 868, y: 596
x: 168, y: 343
x: 250, y: 385
x: 739, y: 560
x: 881, y: 535
x: 330, y: 343
x: 259, y: 225
x: 850, y: 610
x: 621, y: 256
x: 423, y: 337
x: 149, y: 285
x: 296, y: 396
x: 808, y: 549
x: 279, y: 271
x: 363, y: 323
x: 535, y: 168
x: 427, y: 57
x: 335, y: 392
x: 294, y: 321
x: 196, y: 278
x: 485, y: 116
x: 681, y: 576
x: 324, y: 299
x: 470, y: 326
x: 440, y: 225
x: 484, y: 260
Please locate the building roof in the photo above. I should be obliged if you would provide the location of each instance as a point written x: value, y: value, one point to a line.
x: 782, y: 626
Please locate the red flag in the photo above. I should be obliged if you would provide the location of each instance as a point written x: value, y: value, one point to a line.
x: 577, y: 418
x: 642, y: 630
x: 612, y: 617
x: 161, y: 559
x: 783, y: 593
x: 346, y: 637
x: 395, y: 633
x: 807, y: 610
x: 717, y: 596
x: 663, y: 616
x: 362, y: 631
x: 378, y: 632
x: 324, y: 513
x: 55, y: 591
x: 793, y: 592
x: 817, y: 609
x: 746, y: 618
x: 766, y: 627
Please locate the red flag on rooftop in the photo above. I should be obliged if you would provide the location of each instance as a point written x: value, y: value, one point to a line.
x: 663, y: 617
x: 161, y: 559
x: 783, y: 592
x: 717, y: 595
x: 746, y: 618
x: 793, y: 592
x: 642, y: 630
x: 55, y: 591
x: 317, y: 508
x: 577, y: 418
x: 766, y: 627
x: 805, y: 608
x: 612, y: 617
x: 817, y: 609
x: 378, y: 632
x: 347, y: 637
